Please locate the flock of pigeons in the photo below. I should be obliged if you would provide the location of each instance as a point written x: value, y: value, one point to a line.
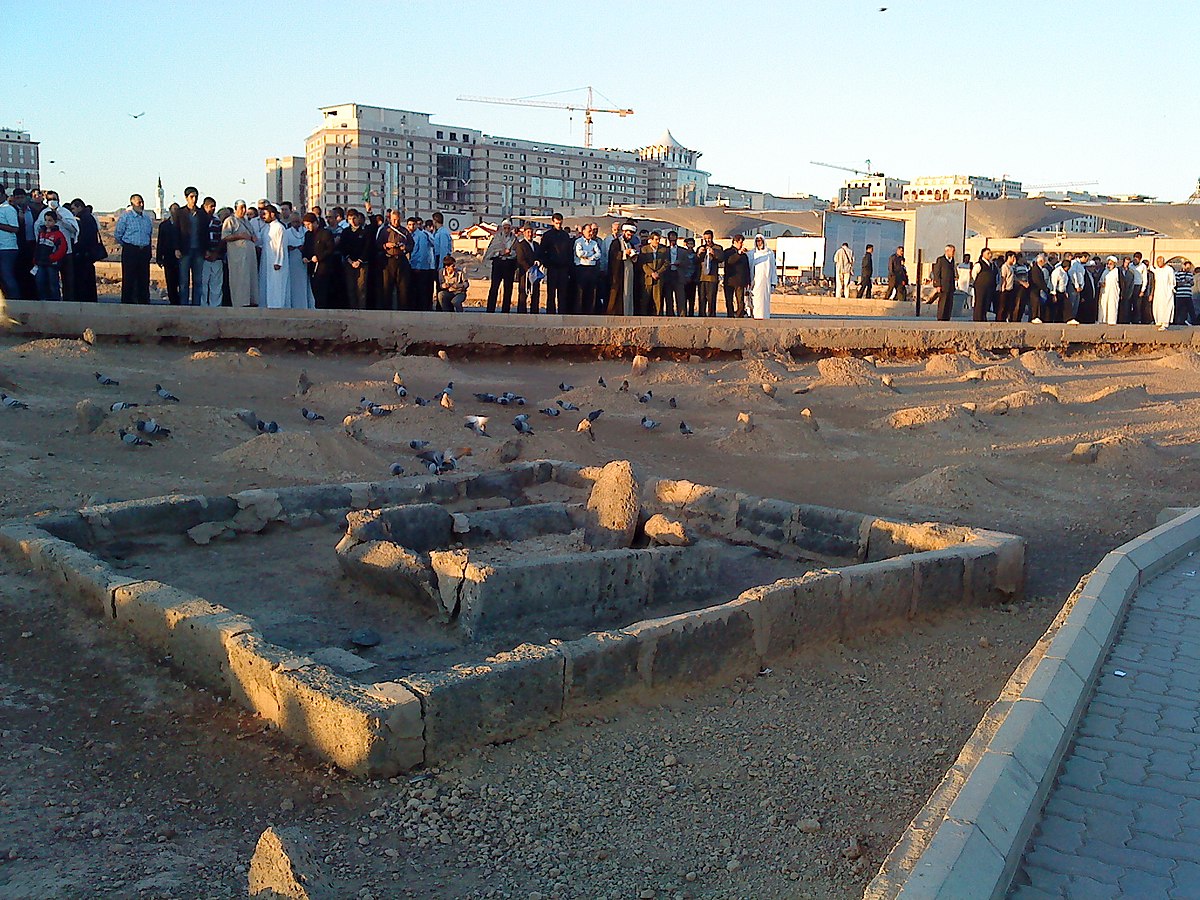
x: 437, y: 462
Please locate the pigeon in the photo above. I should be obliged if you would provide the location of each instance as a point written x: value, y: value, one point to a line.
x: 477, y: 424
x: 568, y: 406
x: 310, y: 415
x: 518, y: 399
x: 418, y: 445
x: 447, y: 402
x: 433, y: 458
x: 585, y: 426
x: 684, y: 428
x: 646, y: 397
x: 600, y: 381
x: 449, y: 389
x: 106, y: 381
x: 302, y: 383
x: 502, y: 400
x: 420, y: 401
x: 401, y: 391
x: 268, y: 427
x: 550, y: 411
x: 376, y: 410
x: 624, y: 388
x: 364, y: 403
x: 12, y: 402
x: 671, y: 403
x: 132, y: 440
x: 397, y: 469
x: 487, y: 398
x: 564, y: 387
x: 648, y: 423
x: 152, y: 428
x: 521, y: 423
x: 120, y: 405
x: 165, y: 394
x: 594, y: 415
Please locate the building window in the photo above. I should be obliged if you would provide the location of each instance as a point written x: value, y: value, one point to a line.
x: 440, y: 136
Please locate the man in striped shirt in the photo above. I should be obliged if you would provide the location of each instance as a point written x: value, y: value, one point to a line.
x: 1185, y: 313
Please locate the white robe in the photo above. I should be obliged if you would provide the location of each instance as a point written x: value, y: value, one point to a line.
x: 300, y: 294
x: 242, y: 262
x: 273, y: 283
x: 763, y: 279
x: 1163, y: 299
x: 1110, y: 296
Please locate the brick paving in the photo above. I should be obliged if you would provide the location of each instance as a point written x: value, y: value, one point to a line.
x: 1123, y: 817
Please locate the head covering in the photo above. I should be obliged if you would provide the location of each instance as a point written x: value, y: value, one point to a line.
x: 1111, y: 259
x: 629, y: 226
x: 506, y: 221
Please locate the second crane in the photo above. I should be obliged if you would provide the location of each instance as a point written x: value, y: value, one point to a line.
x: 587, y: 109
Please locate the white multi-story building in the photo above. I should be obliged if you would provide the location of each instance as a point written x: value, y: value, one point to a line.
x: 287, y: 180
x: 871, y: 190
x: 677, y: 180
x: 19, y: 164
x: 940, y: 188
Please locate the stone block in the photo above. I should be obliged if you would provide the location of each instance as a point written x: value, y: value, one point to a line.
x: 398, y: 492
x: 1035, y: 738
x: 874, y: 593
x: 888, y: 538
x: 313, y: 498
x: 19, y: 540
x: 938, y: 583
x: 614, y: 508
x: 696, y: 647
x: 70, y: 526
x: 958, y: 864
x: 1161, y: 548
x: 198, y: 641
x: 392, y: 569
x: 286, y: 866
x: 518, y: 523
x: 1059, y: 688
x: 1001, y: 800
x: 251, y: 664
x: 828, y: 532
x: 666, y: 532
x: 88, y: 416
x: 507, y: 696
x: 173, y: 514
x: 1100, y: 621
x: 341, y: 660
x: 494, y: 484
x: 712, y: 509
x: 569, y: 474
x: 1078, y: 649
x: 766, y: 521
x: 599, y: 666
x: 420, y: 527
x: 150, y: 609
x: 793, y: 612
x: 1008, y: 581
x: 85, y: 575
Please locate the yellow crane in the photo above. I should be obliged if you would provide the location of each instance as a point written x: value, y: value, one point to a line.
x: 588, y: 109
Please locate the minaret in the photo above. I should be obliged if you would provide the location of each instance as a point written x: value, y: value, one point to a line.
x: 161, y: 200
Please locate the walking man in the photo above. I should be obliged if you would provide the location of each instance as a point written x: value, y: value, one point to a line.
x: 983, y: 283
x: 866, y: 272
x: 944, y: 276
x: 897, y: 276
x: 843, y: 265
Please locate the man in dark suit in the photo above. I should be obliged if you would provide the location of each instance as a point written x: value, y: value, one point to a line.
x: 527, y: 257
x: 708, y: 257
x: 867, y: 272
x: 898, y: 276
x: 737, y: 278
x: 944, y: 276
x: 558, y: 256
x: 317, y: 252
x: 654, y: 263
x: 165, y: 249
x: 983, y: 281
x: 678, y: 268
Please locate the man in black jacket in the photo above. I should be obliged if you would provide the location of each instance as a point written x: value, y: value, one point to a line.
x: 737, y: 278
x: 867, y: 272
x: 191, y: 229
x: 983, y: 281
x: 897, y: 276
x: 943, y: 276
x: 393, y: 244
x: 166, y: 250
x: 317, y: 252
x: 527, y: 257
x: 558, y: 256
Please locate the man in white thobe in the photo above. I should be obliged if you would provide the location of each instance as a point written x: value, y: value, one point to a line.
x: 1110, y: 292
x: 843, y: 264
x: 1162, y: 301
x: 299, y: 290
x: 273, y: 266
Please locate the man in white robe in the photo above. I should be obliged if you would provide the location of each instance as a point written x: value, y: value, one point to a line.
x: 1162, y: 301
x: 763, y: 279
x: 1110, y: 293
x: 272, y: 267
x: 843, y: 264
x: 299, y: 290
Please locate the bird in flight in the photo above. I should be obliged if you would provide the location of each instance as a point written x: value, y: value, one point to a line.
x: 136, y: 115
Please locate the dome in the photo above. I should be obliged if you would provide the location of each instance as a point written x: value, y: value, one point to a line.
x: 668, y: 140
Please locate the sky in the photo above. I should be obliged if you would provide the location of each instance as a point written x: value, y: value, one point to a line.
x: 924, y: 87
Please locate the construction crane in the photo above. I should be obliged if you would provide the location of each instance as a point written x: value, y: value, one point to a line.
x: 1060, y: 184
x: 848, y: 168
x: 547, y: 104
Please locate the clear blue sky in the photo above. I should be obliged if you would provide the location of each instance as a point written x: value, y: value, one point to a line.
x: 925, y: 88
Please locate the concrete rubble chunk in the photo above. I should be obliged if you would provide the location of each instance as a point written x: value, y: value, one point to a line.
x: 667, y: 532
x: 206, y: 532
x: 640, y: 365
x: 284, y: 867
x: 390, y: 568
x: 88, y: 416
x: 1086, y: 452
x: 342, y: 660
x: 745, y: 422
x: 613, y: 508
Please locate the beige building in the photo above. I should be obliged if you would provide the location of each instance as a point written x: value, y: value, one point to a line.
x: 871, y: 190
x: 676, y: 180
x: 940, y: 188
x: 287, y: 179
x: 19, y: 164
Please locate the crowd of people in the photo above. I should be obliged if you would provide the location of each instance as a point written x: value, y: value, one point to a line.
x: 48, y: 251
x: 1080, y: 288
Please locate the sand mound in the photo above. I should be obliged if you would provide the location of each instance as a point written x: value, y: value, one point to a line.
x: 1021, y: 400
x: 1185, y: 361
x: 335, y: 399
x: 228, y: 361
x: 1126, y: 395
x: 419, y: 369
x: 997, y: 373
x: 951, y: 487
x: 305, y: 457
x: 1123, y: 453
x: 664, y: 374
x: 921, y: 416
x: 53, y: 348
x: 773, y: 438
x: 1041, y: 362
x: 949, y: 364
x: 846, y: 371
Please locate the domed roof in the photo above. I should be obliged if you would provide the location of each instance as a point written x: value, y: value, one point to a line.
x: 668, y: 140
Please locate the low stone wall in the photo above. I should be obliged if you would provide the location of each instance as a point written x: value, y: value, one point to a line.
x: 968, y: 839
x: 384, y: 728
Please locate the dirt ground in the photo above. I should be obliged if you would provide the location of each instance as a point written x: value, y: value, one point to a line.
x: 116, y: 779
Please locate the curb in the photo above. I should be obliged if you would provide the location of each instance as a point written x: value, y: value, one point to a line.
x: 968, y: 839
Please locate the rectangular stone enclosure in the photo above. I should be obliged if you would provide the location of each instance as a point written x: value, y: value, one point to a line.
x: 489, y: 570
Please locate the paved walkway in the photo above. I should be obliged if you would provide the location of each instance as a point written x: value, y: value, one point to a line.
x: 1123, y: 818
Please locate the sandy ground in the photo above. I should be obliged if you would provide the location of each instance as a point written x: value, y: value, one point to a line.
x: 118, y: 780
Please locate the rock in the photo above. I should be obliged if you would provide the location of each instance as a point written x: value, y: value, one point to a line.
x: 670, y: 760
x: 733, y: 865
x: 854, y: 849
x: 462, y: 525
x: 1086, y: 453
x: 768, y: 389
x: 341, y: 660
x: 510, y: 451
x: 247, y: 416
x: 693, y: 358
x: 613, y: 508
x: 667, y: 532
x: 366, y: 637
x: 390, y: 568
x: 984, y: 643
x: 284, y: 866
x: 808, y: 826
x: 88, y: 416
x: 640, y: 365
x: 745, y: 422
x: 809, y: 419
x: 89, y: 336
x: 970, y: 407
x: 997, y: 407
x: 443, y: 356
x: 207, y: 531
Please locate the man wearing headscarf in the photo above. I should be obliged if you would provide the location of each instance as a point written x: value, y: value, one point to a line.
x: 240, y: 255
x: 272, y: 268
x: 502, y: 252
x: 1162, y: 300
x: 622, y: 267
x: 1110, y: 292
